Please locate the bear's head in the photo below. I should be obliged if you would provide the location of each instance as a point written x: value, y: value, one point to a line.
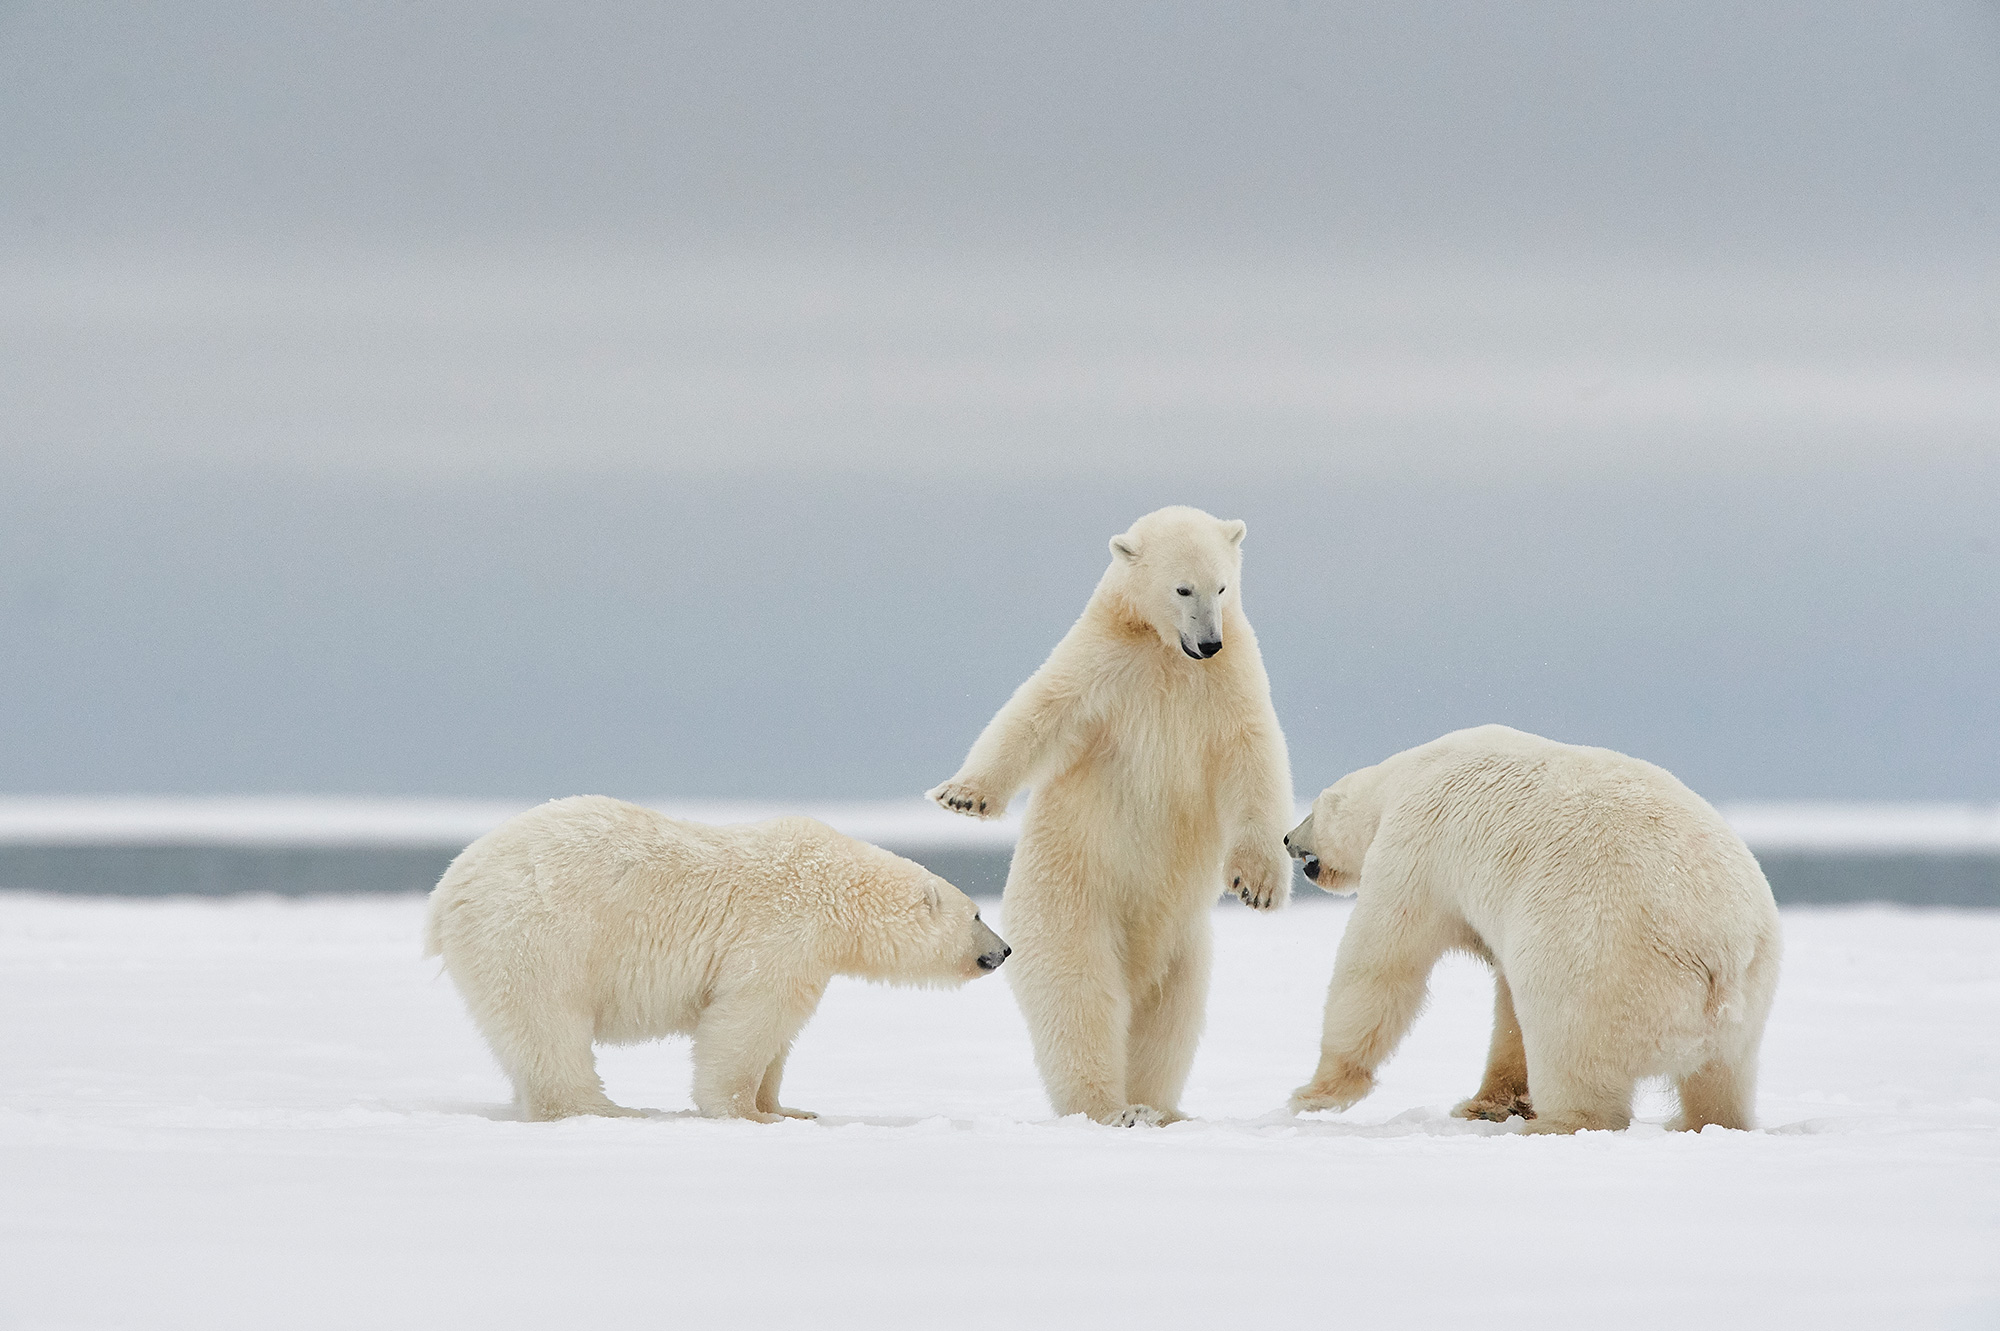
x: 913, y: 927
x: 1334, y: 838
x: 1176, y: 571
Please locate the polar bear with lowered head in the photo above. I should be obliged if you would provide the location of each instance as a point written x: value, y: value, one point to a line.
x: 1630, y: 931
x: 1160, y: 779
x: 592, y: 920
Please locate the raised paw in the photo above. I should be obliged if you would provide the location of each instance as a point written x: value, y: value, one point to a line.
x: 1335, y: 1088
x: 1494, y: 1109
x: 968, y: 799
x: 1259, y: 875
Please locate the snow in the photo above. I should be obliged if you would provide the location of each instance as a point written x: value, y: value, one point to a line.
x: 909, y: 824
x: 1837, y: 827
x: 256, y: 1112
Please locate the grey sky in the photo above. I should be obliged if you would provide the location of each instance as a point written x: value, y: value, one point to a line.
x: 1714, y: 126
x: 736, y: 400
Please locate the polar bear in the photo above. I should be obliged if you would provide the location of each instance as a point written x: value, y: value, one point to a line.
x: 589, y: 919
x: 1160, y: 777
x: 1630, y: 932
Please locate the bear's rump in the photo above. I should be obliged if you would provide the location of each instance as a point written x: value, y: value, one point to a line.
x: 1630, y: 1000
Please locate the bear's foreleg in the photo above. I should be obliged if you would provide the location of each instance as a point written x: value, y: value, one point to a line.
x: 1257, y: 788
x: 767, y: 1093
x: 1166, y: 1028
x: 744, y: 1029
x: 1031, y: 733
x: 1379, y: 980
x: 547, y: 1053
x: 1503, y: 1093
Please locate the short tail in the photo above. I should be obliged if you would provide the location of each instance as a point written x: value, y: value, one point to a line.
x: 443, y: 897
x: 1725, y: 1000
x: 1740, y: 992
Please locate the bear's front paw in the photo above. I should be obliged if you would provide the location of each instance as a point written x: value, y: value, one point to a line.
x: 1259, y: 875
x: 966, y: 798
x: 782, y: 1112
x: 1494, y: 1109
x: 1336, y: 1088
x: 1132, y: 1116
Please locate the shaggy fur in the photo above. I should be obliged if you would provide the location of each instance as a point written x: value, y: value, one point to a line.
x: 1631, y: 933
x: 1160, y: 779
x: 591, y: 920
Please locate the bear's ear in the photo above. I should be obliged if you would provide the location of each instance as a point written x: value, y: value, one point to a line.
x: 1125, y: 548
x: 1234, y: 530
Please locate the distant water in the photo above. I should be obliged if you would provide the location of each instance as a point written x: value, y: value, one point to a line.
x: 1919, y: 854
x: 293, y: 871
x: 1798, y: 876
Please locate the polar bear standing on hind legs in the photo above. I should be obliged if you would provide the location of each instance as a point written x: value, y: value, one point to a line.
x: 1630, y: 931
x: 1161, y: 779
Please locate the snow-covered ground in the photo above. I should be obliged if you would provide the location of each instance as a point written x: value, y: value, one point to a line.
x: 264, y: 1113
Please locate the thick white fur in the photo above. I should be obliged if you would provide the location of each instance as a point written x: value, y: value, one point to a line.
x: 592, y: 920
x: 1631, y: 933
x: 1160, y: 780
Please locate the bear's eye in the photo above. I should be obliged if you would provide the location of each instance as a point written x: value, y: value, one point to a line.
x: 1184, y: 591
x: 1220, y: 590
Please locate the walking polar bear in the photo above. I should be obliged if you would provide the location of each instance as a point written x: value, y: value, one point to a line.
x: 1160, y: 777
x: 590, y: 919
x: 1631, y: 933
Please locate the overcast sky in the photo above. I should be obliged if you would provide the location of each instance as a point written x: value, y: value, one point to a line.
x: 1716, y: 127
x: 520, y: 399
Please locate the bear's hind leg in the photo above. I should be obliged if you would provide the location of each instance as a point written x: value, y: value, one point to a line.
x: 1576, y: 1093
x: 1503, y: 1093
x: 1724, y: 1090
x: 1166, y: 1028
x: 1718, y: 1092
x: 1079, y: 1020
x: 548, y: 1057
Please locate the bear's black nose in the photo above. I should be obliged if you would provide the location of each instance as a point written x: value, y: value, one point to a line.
x: 1311, y: 865
x: 1208, y: 649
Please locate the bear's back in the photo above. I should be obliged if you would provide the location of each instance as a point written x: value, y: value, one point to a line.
x: 1514, y: 808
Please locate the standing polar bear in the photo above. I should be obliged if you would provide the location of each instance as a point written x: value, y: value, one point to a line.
x: 590, y: 919
x: 1160, y: 777
x: 1630, y: 931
